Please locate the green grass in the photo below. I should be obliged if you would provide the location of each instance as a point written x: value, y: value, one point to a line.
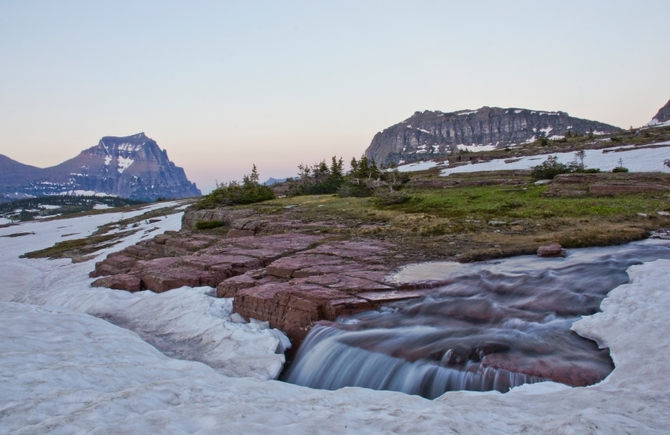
x: 83, y: 246
x: 494, y: 202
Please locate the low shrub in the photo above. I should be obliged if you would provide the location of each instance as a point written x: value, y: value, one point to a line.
x: 390, y: 197
x: 550, y: 168
x: 206, y: 225
x: 356, y: 190
x: 620, y: 169
x: 233, y: 193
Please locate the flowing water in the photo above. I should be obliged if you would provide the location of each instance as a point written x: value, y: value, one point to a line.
x: 484, y: 326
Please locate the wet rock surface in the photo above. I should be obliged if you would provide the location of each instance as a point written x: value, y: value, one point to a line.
x: 290, y: 279
x: 483, y: 326
x: 554, y: 250
x: 294, y: 276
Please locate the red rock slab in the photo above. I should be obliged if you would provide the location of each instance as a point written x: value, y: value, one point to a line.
x: 229, y: 287
x: 374, y: 272
x: 190, y: 244
x: 103, y: 269
x: 156, y: 263
x: 161, y: 238
x: 366, y: 251
x: 314, y: 293
x: 206, y: 262
x: 343, y: 282
x: 115, y: 263
x: 239, y: 233
x: 266, y: 255
x: 391, y: 296
x: 216, y: 274
x: 127, y: 282
x: 169, y: 251
x: 137, y: 251
x: 286, y: 266
x: 293, y: 308
x: 341, y: 307
x: 285, y: 243
x: 161, y: 280
x: 323, y: 269
x: 258, y: 302
x: 120, y: 259
x: 554, y: 250
x: 302, y: 307
x: 219, y: 248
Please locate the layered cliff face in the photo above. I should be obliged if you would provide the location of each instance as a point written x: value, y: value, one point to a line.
x: 129, y: 167
x: 430, y: 134
x: 662, y: 117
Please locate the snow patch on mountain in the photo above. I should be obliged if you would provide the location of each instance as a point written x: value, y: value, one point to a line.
x: 475, y: 147
x: 124, y: 163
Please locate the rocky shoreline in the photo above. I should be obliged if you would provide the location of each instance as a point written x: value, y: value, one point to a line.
x: 273, y: 269
x: 293, y: 270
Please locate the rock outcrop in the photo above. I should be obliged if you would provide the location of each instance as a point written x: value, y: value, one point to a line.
x: 554, y: 250
x: 429, y: 134
x: 129, y: 167
x: 288, y: 278
x: 661, y: 118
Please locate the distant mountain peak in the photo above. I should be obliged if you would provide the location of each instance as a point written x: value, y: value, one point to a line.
x: 662, y: 117
x: 141, y: 136
x: 126, y: 166
x: 136, y: 140
x: 431, y: 134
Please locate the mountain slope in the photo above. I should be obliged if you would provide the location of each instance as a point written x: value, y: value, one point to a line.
x: 129, y: 167
x: 430, y: 134
x: 12, y: 172
x: 662, y: 117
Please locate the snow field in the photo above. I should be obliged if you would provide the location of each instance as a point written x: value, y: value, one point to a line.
x: 66, y: 372
x: 186, y: 323
x: 635, y: 159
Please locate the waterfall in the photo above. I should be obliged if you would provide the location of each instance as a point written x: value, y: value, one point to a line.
x: 326, y: 363
x: 489, y: 326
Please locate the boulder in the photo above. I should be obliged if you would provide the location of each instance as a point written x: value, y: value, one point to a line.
x: 554, y: 250
x: 290, y: 279
x: 127, y: 282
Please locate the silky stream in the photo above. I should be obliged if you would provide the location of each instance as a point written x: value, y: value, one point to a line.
x: 484, y: 326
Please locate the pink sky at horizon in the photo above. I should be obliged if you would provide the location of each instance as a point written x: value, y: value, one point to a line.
x: 224, y: 85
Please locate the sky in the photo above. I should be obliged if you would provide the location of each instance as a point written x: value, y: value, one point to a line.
x: 223, y: 85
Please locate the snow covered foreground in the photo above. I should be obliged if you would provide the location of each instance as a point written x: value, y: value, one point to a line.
x: 188, y: 323
x: 66, y: 372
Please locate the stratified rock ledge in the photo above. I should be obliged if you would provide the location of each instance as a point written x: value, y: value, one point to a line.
x: 290, y: 279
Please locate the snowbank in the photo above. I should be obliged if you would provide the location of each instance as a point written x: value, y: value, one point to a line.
x: 67, y: 372
x: 419, y: 166
x: 635, y: 159
x: 185, y: 323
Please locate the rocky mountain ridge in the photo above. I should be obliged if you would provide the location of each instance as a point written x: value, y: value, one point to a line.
x: 129, y: 167
x: 662, y: 117
x: 431, y: 134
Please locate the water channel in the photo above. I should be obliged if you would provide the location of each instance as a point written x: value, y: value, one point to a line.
x: 484, y: 326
